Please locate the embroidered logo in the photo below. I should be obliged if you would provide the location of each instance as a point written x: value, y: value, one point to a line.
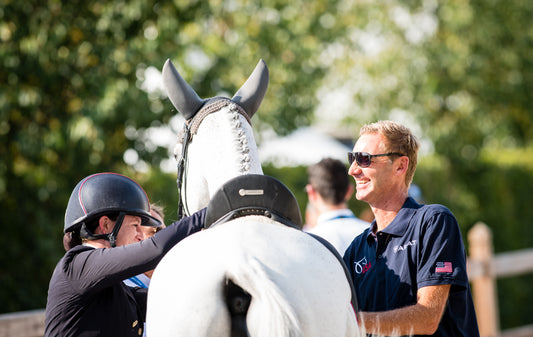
x: 443, y: 267
x: 362, y: 266
x: 404, y: 247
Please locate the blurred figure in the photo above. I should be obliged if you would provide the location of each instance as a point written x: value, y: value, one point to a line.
x: 327, y: 213
x: 143, y: 280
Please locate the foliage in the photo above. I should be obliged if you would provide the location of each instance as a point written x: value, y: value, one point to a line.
x: 73, y: 100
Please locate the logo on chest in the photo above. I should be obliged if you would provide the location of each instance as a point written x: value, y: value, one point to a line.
x: 399, y: 248
x: 362, y: 266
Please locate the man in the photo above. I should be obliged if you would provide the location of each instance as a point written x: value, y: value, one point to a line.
x: 105, y: 245
x: 328, y: 192
x: 409, y: 267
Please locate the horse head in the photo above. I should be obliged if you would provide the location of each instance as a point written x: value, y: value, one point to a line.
x: 219, y: 142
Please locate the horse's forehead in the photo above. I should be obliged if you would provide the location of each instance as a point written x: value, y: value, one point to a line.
x: 213, y: 104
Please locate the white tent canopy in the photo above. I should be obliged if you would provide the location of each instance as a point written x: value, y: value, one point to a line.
x: 304, y: 146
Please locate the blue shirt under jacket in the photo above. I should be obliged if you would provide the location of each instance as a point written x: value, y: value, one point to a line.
x: 421, y: 247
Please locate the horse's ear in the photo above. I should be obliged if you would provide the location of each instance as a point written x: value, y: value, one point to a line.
x: 251, y: 94
x: 182, y: 96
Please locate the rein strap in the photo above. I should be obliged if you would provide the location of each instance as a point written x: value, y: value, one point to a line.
x: 181, y: 167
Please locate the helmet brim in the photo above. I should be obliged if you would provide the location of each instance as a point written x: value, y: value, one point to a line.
x: 149, y: 220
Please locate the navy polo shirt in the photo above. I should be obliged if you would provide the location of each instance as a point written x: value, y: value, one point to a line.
x: 421, y: 247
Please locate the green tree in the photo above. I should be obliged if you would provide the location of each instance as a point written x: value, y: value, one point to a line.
x: 71, y: 102
x: 458, y: 72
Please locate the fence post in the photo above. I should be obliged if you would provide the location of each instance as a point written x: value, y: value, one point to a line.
x: 484, y: 286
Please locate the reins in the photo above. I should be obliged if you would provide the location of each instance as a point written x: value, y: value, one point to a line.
x: 181, y: 166
x: 190, y: 128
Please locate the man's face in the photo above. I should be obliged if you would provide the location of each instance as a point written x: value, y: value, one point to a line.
x: 130, y: 231
x: 374, y: 182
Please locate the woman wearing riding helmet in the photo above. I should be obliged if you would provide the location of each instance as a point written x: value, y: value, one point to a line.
x: 105, y: 245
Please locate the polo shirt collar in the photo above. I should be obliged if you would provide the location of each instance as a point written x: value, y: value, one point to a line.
x: 399, y: 225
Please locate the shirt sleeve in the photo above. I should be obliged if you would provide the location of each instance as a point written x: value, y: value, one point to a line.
x: 442, y: 258
x: 94, y: 269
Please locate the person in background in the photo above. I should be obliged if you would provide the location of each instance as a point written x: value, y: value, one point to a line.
x: 143, y: 280
x: 409, y: 266
x: 105, y: 245
x: 327, y: 213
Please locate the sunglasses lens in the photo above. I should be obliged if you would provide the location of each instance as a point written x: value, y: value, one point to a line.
x: 351, y: 158
x: 362, y: 159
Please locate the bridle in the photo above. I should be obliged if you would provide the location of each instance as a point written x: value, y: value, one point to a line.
x: 186, y: 138
x: 190, y: 128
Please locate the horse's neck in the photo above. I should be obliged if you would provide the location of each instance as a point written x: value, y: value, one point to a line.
x: 223, y: 148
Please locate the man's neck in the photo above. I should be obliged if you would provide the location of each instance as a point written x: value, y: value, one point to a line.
x: 386, y: 212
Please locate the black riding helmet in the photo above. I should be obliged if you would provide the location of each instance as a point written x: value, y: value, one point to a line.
x: 253, y: 194
x: 105, y: 193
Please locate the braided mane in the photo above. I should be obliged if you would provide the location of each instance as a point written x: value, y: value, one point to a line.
x: 233, y: 112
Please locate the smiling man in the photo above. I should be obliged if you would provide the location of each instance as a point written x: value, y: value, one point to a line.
x: 409, y: 267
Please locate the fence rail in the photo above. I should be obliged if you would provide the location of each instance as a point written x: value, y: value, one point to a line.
x: 22, y: 324
x: 483, y: 269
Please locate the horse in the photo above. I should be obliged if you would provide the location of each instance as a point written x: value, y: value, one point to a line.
x: 252, y: 275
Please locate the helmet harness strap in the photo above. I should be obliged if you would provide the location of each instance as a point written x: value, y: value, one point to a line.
x: 111, y: 237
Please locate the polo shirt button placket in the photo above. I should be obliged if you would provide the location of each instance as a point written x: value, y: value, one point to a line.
x: 381, y: 242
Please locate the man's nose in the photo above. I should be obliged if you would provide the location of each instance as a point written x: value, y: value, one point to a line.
x: 353, y: 168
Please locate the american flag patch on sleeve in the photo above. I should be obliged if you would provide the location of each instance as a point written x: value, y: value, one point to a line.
x: 443, y: 267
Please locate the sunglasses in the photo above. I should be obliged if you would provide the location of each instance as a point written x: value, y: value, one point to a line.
x: 364, y: 159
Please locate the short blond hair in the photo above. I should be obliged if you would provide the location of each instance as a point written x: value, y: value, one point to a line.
x: 399, y: 139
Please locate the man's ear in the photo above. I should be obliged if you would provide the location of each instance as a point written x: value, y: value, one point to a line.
x: 349, y: 192
x: 310, y: 191
x: 402, y: 164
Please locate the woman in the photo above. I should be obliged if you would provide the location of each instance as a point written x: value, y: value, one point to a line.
x: 104, y: 243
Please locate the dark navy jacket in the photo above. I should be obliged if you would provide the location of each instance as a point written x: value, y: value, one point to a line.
x: 87, y: 297
x: 421, y: 247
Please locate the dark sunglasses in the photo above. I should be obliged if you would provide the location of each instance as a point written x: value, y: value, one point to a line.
x: 364, y: 159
